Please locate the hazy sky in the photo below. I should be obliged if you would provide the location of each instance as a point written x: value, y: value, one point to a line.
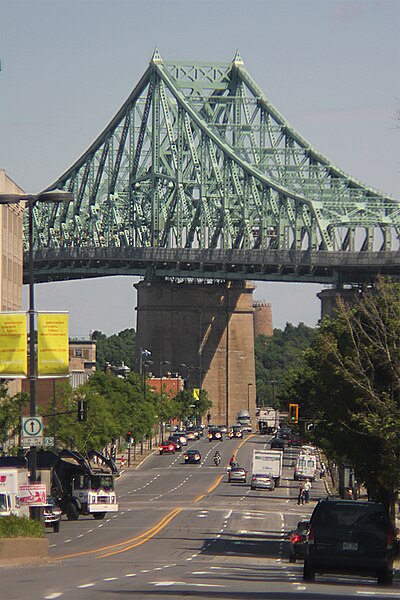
x: 330, y: 67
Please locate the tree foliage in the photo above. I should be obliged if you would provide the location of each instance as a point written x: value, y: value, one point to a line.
x: 350, y: 387
x: 276, y: 357
x: 117, y: 349
x: 10, y: 413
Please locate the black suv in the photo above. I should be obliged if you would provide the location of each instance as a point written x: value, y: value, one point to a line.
x: 347, y: 536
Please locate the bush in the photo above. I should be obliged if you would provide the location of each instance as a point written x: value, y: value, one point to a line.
x: 11, y: 527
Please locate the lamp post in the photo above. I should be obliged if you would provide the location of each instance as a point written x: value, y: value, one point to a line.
x: 54, y: 196
x: 187, y: 367
x: 248, y: 396
x: 144, y: 367
x: 162, y: 363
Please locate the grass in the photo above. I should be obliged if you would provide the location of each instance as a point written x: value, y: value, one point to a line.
x: 13, y: 527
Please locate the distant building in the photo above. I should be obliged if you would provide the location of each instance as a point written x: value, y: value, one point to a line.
x: 169, y: 385
x: 11, y: 264
x: 262, y: 318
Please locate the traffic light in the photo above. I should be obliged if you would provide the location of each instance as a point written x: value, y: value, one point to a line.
x: 82, y: 410
x: 294, y: 413
x: 129, y: 437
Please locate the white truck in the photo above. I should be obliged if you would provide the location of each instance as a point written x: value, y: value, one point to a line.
x: 306, y: 467
x: 10, y: 482
x: 244, y: 419
x: 269, y: 462
x: 267, y: 419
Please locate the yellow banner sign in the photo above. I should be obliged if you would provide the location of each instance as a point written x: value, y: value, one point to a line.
x: 13, y: 345
x: 53, y: 360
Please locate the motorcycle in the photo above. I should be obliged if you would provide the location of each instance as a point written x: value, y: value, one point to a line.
x: 217, y: 460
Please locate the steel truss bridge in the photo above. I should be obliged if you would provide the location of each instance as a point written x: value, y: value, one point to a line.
x: 198, y: 175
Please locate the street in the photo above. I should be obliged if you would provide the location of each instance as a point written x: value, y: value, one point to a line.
x: 184, y: 531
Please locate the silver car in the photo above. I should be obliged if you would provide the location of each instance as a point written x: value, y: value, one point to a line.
x: 262, y: 481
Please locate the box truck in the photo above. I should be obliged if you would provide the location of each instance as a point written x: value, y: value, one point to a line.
x: 269, y: 462
x: 10, y: 482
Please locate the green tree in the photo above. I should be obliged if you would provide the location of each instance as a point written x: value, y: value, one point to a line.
x: 351, y: 386
x: 116, y: 349
x: 10, y: 413
x: 276, y: 357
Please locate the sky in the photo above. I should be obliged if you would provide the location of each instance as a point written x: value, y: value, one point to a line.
x: 330, y: 67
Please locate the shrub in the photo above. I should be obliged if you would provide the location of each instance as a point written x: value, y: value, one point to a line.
x: 11, y: 527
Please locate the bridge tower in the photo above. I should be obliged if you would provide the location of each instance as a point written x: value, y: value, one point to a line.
x: 208, y: 327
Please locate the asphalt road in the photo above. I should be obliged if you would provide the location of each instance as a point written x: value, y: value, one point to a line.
x: 183, y: 531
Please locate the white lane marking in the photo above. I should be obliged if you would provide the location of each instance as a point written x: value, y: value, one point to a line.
x: 145, y: 571
x: 110, y: 579
x: 130, y: 575
x: 66, y: 541
x: 183, y: 583
x: 79, y: 536
x: 86, y: 585
x: 101, y: 525
x: 228, y: 515
x: 89, y: 530
x: 53, y: 596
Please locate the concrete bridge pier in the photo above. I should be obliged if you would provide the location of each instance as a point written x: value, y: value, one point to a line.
x: 209, y: 328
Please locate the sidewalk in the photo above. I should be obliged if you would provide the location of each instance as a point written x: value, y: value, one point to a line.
x: 125, y: 462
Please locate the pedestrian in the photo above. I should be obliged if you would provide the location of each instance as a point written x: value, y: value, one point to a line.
x: 307, y: 488
x: 122, y: 461
x: 300, y: 497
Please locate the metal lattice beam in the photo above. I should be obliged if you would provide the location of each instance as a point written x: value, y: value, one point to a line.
x: 198, y: 158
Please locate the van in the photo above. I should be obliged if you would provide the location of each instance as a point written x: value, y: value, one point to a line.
x: 347, y: 536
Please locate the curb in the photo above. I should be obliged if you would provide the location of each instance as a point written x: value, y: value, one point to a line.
x: 23, y: 550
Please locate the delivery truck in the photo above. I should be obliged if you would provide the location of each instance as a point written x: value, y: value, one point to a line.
x: 79, y: 485
x: 269, y: 462
x: 11, y: 480
x: 306, y: 467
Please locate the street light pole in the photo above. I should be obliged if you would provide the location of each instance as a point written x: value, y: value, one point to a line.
x: 54, y: 196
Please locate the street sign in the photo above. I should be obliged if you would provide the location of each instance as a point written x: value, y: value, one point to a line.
x: 49, y: 441
x: 32, y: 427
x: 27, y: 442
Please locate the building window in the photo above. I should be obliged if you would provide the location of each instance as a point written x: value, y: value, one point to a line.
x: 78, y: 352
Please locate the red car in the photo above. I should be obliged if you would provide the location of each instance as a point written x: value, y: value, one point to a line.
x: 167, y: 447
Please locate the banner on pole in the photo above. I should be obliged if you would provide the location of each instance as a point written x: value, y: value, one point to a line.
x: 13, y: 345
x: 53, y: 355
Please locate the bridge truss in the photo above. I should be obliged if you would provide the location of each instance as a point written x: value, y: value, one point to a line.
x: 199, y: 175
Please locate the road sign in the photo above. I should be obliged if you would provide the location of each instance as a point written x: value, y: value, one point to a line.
x: 32, y: 427
x: 49, y: 441
x: 27, y: 442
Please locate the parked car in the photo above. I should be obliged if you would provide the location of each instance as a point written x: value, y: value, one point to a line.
x: 237, y: 474
x: 215, y: 434
x: 52, y: 515
x: 297, y: 538
x: 262, y: 481
x: 167, y: 447
x: 277, y: 443
x: 235, y: 432
x: 192, y: 457
x: 347, y: 536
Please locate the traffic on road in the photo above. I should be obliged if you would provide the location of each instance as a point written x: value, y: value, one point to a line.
x: 203, y: 530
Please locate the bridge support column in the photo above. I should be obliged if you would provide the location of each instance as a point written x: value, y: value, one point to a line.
x: 329, y: 299
x: 209, y: 328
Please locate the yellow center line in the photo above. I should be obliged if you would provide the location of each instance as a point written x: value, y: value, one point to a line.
x: 150, y: 533
x: 142, y: 535
x: 148, y: 537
